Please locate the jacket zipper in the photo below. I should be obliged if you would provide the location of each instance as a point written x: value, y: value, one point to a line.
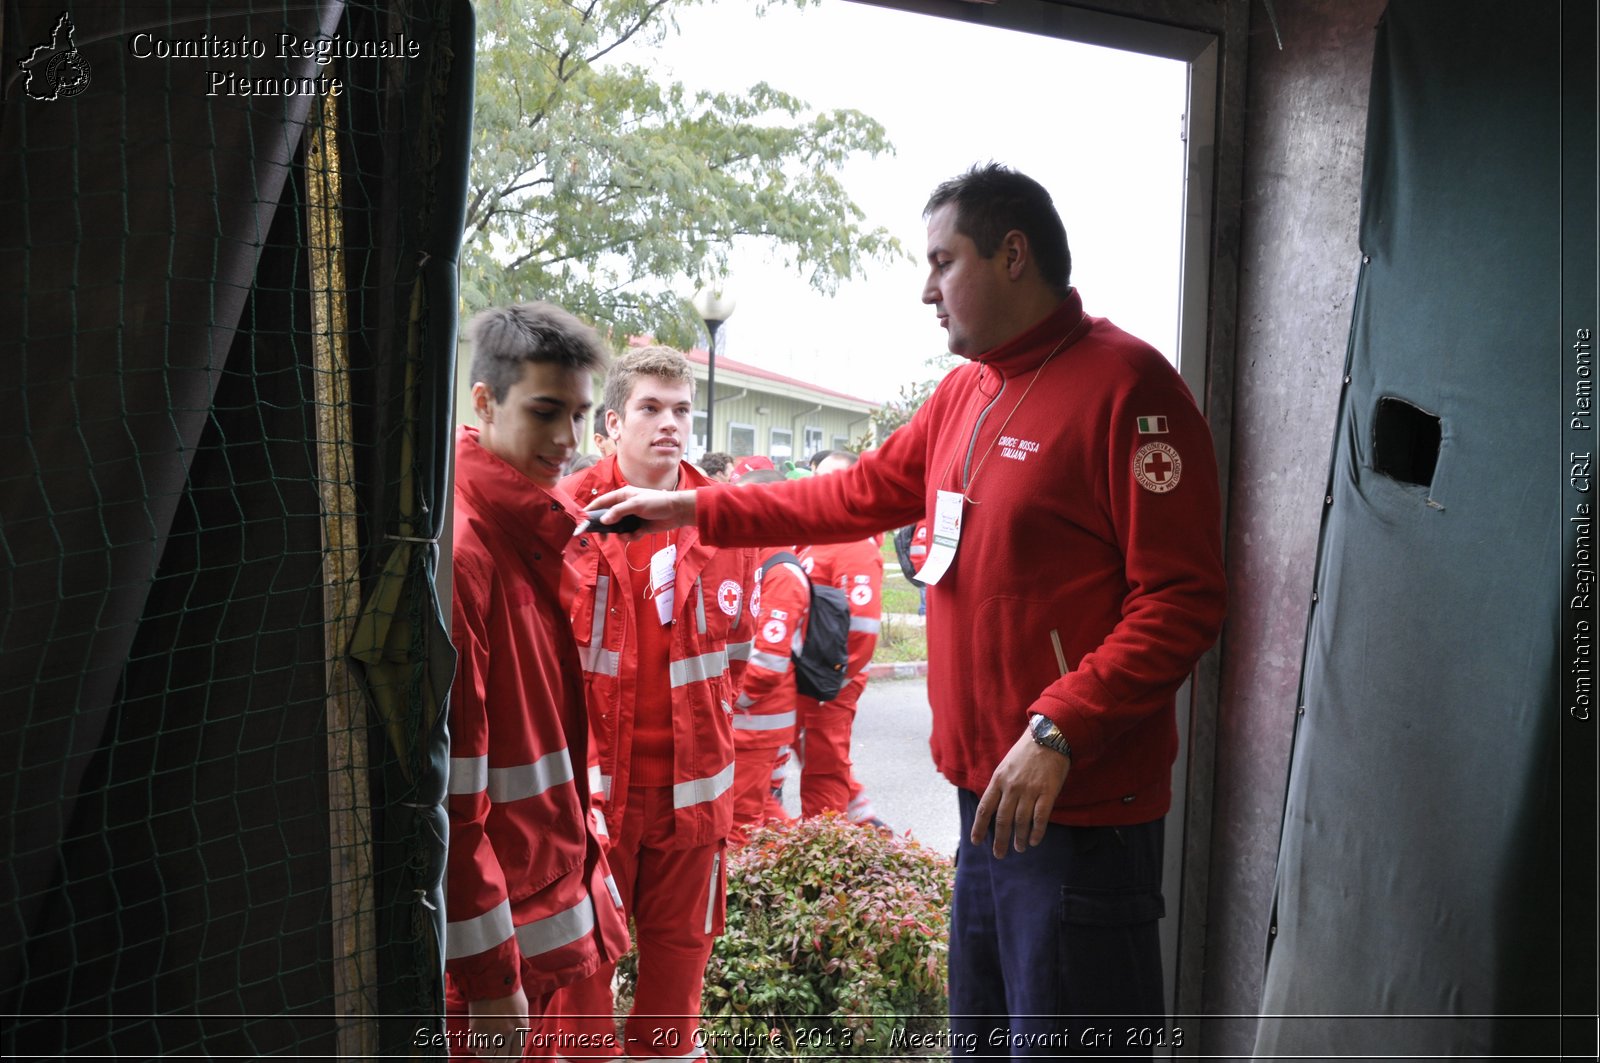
x: 972, y: 445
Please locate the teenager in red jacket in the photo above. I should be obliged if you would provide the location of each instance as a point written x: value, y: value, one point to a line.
x: 1074, y: 579
x: 530, y: 905
x: 827, y: 777
x: 658, y: 618
x: 764, y: 715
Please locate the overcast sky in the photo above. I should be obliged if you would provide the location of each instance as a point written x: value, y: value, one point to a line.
x: 1099, y: 128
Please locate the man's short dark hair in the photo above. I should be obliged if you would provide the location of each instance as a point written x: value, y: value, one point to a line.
x: 818, y: 458
x: 506, y: 338
x: 715, y: 462
x: 599, y: 421
x: 991, y: 200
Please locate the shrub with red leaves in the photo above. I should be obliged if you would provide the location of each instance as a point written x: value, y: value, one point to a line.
x: 836, y: 938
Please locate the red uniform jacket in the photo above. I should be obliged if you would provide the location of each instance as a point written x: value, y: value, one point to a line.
x: 1089, y: 577
x: 856, y: 568
x: 764, y: 714
x: 711, y: 618
x: 528, y: 897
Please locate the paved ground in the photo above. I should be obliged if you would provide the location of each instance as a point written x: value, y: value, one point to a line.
x: 890, y: 751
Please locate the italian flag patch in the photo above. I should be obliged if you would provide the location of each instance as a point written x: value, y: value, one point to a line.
x: 1152, y: 426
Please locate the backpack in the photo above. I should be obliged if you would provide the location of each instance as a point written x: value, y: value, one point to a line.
x: 902, y: 551
x: 820, y: 664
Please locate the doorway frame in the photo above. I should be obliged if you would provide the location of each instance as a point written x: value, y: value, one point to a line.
x: 1212, y: 38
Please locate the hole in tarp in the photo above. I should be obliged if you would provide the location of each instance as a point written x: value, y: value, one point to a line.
x: 1405, y: 442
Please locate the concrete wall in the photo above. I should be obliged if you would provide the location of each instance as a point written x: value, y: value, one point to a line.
x: 1304, y: 130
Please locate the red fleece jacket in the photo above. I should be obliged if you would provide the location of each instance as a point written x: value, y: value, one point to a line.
x: 1089, y: 577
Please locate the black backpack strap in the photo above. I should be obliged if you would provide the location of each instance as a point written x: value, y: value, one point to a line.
x: 779, y: 558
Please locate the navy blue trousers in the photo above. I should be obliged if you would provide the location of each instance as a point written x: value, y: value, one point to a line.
x: 1054, y: 952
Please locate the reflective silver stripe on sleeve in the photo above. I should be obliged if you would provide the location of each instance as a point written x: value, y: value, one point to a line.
x: 552, y: 932
x: 595, y: 657
x: 740, y: 651
x: 763, y: 723
x: 865, y: 623
x: 698, y: 791
x: 697, y: 669
x: 770, y: 661
x: 600, y: 828
x: 605, y: 786
x: 611, y: 888
x: 529, y: 780
x: 468, y: 937
x: 469, y: 775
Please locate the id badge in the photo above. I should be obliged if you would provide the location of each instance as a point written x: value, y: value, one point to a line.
x: 663, y: 566
x: 946, y: 534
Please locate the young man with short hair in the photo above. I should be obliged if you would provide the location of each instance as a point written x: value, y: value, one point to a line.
x: 660, y: 618
x: 528, y: 899
x: 1074, y: 578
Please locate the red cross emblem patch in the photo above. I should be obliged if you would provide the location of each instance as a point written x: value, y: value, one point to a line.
x: 1157, y: 467
x: 728, y: 595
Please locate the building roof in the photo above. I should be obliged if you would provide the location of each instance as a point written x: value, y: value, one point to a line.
x: 698, y: 356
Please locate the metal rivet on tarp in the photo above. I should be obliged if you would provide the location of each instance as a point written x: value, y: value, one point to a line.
x: 1327, y: 500
x: 1313, y: 595
x: 1301, y: 711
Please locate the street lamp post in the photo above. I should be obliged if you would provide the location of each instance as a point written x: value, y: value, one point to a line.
x: 714, y: 305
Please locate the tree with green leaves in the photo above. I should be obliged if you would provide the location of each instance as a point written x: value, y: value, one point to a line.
x: 597, y: 186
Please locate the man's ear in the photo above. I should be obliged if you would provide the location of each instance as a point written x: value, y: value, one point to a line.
x: 613, y: 423
x: 483, y: 403
x: 1017, y: 254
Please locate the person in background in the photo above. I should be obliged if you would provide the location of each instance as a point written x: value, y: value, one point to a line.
x: 715, y: 465
x: 604, y: 444
x: 528, y: 898
x: 658, y: 618
x: 764, y: 714
x: 1074, y: 578
x: 827, y: 776
x: 581, y: 462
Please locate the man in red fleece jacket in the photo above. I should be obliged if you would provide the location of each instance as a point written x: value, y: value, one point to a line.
x: 529, y: 902
x: 1074, y: 578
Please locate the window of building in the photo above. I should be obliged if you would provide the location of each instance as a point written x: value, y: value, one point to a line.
x: 741, y: 440
x: 812, y: 441
x: 780, y: 445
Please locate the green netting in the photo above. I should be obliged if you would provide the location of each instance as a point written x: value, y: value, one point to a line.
x: 227, y: 331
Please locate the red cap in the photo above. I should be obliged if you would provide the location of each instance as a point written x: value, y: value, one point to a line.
x: 744, y: 465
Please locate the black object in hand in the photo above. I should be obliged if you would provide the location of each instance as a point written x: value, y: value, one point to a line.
x: 631, y: 523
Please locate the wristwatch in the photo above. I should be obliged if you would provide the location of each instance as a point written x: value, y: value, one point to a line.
x: 1047, y: 734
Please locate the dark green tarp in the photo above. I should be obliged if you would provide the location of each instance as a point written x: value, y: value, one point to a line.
x: 1417, y: 897
x: 167, y: 868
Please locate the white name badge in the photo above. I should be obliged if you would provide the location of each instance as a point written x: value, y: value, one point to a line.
x: 663, y: 565
x: 946, y: 534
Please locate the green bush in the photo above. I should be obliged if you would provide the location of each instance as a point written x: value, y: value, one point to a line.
x: 836, y: 936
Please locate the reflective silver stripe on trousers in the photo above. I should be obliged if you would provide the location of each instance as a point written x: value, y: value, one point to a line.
x: 595, y: 657
x: 529, y: 780
x: 699, y: 791
x: 770, y: 661
x: 469, y: 775
x: 552, y: 932
x: 763, y: 723
x: 740, y: 651
x: 697, y: 669
x: 600, y: 828
x: 711, y: 891
x: 468, y: 937
x: 865, y: 623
